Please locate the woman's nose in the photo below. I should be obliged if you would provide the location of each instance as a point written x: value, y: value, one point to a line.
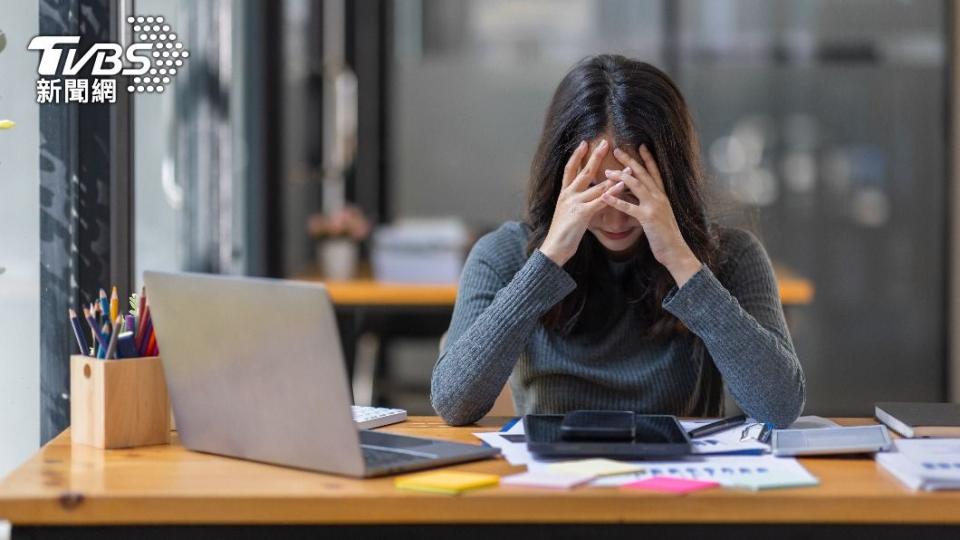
x: 614, y: 219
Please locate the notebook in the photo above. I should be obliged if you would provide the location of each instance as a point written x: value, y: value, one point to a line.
x: 920, y: 419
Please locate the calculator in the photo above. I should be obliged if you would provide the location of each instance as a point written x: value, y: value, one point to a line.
x: 831, y: 440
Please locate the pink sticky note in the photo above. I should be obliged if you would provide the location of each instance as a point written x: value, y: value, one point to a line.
x: 670, y: 485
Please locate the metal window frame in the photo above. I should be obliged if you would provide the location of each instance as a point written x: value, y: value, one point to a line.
x: 87, y: 210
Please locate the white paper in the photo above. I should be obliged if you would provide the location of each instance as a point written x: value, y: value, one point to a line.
x: 516, y: 428
x: 723, y: 442
x: 515, y: 453
x: 750, y: 472
x: 546, y: 480
x: 928, y: 464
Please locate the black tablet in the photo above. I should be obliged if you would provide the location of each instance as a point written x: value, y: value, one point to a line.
x: 655, y: 436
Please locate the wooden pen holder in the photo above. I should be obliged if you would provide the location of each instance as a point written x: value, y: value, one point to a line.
x: 118, y: 403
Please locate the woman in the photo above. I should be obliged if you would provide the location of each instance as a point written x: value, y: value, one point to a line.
x: 618, y: 293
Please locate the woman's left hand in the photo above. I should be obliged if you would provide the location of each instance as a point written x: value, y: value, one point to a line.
x: 653, y: 211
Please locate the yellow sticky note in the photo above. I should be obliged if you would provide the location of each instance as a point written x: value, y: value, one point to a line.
x: 594, y: 467
x: 7, y: 124
x: 449, y: 482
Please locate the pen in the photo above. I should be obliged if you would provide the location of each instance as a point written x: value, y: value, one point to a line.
x: 766, y: 433
x: 719, y: 425
x: 78, y: 332
x: 125, y: 347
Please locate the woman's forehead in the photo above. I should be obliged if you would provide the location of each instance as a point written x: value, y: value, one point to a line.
x: 628, y: 148
x: 609, y: 161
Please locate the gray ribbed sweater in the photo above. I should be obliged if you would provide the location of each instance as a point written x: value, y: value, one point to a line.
x: 495, y: 331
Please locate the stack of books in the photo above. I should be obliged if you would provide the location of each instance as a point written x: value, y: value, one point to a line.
x: 924, y: 464
x: 920, y: 419
x: 930, y: 459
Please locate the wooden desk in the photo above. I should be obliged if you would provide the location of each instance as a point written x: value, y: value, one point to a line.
x: 164, y: 485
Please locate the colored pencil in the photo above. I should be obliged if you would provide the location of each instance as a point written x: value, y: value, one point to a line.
x: 96, y: 333
x: 114, y: 304
x: 145, y: 337
x: 112, y: 347
x: 152, y: 345
x: 141, y: 305
x: 78, y: 332
x: 93, y: 331
x: 142, y: 325
x: 104, y: 339
x: 104, y: 303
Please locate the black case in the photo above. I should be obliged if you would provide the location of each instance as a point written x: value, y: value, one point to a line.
x: 598, y: 426
x: 656, y: 436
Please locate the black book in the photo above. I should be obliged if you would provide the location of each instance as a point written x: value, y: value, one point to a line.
x: 920, y: 419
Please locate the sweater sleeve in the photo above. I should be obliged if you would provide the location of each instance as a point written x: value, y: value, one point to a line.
x: 493, y: 319
x: 745, y: 332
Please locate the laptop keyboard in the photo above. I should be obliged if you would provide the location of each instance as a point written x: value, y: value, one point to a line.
x: 376, y: 458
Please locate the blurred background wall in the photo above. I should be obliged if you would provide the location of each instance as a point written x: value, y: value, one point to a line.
x: 823, y: 127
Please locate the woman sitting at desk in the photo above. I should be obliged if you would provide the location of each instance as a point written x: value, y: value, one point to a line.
x: 618, y: 293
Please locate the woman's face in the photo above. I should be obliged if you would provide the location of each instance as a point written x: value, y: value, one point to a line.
x: 616, y: 231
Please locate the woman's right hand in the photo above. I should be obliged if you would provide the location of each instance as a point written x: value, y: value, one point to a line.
x: 577, y: 203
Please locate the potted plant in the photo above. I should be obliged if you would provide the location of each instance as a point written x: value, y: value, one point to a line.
x: 338, y: 236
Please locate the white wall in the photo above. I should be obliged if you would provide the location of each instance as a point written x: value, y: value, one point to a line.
x: 19, y: 238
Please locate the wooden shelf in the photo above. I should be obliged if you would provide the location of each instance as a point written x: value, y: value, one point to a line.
x: 794, y: 291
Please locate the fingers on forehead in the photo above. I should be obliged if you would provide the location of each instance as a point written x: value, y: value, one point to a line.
x: 573, y: 163
x: 631, y: 152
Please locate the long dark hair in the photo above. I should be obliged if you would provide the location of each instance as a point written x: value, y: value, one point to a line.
x: 637, y: 104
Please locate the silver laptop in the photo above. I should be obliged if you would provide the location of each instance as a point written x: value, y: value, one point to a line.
x: 255, y: 370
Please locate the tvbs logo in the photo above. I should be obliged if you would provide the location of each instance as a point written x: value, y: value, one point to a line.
x: 150, y: 63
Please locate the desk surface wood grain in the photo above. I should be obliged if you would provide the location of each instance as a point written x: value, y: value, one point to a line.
x: 67, y: 484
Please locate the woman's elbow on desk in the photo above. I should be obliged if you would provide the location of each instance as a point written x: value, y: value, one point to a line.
x: 453, y: 410
x: 451, y: 404
x: 786, y: 407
